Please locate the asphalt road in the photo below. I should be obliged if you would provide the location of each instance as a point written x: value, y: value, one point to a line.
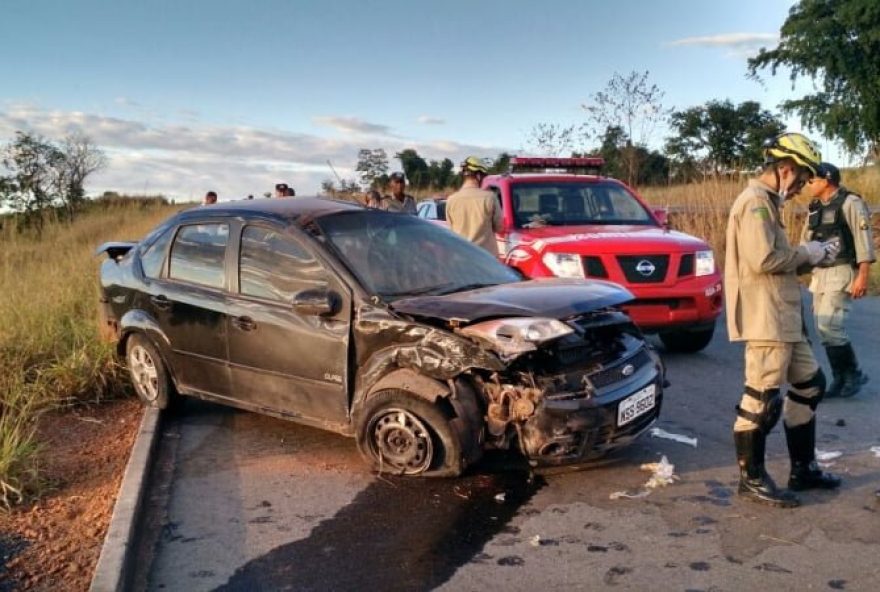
x: 244, y: 502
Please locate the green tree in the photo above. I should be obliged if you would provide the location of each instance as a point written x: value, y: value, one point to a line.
x: 372, y: 166
x: 720, y: 136
x: 633, y: 104
x: 414, y: 167
x: 501, y: 164
x: 836, y: 45
x: 31, y: 163
x: 441, y: 173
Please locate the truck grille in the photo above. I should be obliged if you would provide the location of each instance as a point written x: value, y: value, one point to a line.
x: 644, y: 269
x: 686, y: 267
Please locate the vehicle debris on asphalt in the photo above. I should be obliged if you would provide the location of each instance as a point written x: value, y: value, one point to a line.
x: 662, y: 474
x: 661, y: 433
x: 826, y: 455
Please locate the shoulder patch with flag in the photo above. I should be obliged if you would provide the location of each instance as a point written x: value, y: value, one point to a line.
x: 762, y: 212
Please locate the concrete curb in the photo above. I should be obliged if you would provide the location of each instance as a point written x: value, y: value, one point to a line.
x: 113, y: 568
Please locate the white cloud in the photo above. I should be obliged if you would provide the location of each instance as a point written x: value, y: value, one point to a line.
x: 738, y: 44
x: 352, y: 125
x: 428, y: 120
x: 185, y: 160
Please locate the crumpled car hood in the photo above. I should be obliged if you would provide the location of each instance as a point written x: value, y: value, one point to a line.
x: 555, y: 298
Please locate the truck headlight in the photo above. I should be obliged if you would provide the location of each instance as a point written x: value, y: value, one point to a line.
x: 564, y: 265
x: 516, y: 335
x: 705, y: 263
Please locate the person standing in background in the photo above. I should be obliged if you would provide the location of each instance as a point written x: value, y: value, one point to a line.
x: 472, y: 212
x: 838, y: 214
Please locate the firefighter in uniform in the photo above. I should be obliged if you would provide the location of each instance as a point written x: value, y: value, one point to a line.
x: 764, y: 309
x: 838, y: 214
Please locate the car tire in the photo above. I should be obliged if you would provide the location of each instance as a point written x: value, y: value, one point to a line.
x: 687, y: 341
x: 148, y: 374
x: 400, y: 433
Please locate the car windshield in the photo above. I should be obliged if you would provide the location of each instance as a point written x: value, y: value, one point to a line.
x: 396, y: 255
x: 560, y: 203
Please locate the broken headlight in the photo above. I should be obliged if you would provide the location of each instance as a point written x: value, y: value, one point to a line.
x: 517, y: 335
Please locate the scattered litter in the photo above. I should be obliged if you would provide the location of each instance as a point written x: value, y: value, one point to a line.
x: 826, y: 465
x: 876, y: 451
x: 825, y: 456
x: 500, y: 497
x: 661, y: 433
x: 535, y: 541
x: 625, y: 494
x: 662, y: 475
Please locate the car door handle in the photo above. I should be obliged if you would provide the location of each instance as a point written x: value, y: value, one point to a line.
x: 244, y: 323
x: 161, y: 302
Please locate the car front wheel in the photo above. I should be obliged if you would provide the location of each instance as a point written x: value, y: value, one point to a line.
x: 148, y: 374
x: 687, y: 341
x: 401, y: 434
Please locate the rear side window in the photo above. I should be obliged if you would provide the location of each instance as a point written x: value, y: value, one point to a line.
x: 154, y: 256
x: 198, y: 254
x: 275, y: 266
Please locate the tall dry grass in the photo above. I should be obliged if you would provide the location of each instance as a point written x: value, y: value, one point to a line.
x: 50, y: 354
x: 701, y: 209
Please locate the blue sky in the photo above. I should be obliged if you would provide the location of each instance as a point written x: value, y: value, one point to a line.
x: 234, y: 96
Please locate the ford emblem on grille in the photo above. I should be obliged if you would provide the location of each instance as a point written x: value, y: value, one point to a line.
x: 628, y: 370
x: 645, y: 267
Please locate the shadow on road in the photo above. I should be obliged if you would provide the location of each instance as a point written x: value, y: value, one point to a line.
x: 397, y: 534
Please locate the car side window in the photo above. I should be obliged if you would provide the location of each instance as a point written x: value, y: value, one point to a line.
x: 154, y: 256
x: 198, y: 254
x: 275, y: 266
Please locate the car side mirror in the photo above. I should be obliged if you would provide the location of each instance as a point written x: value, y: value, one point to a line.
x: 662, y: 216
x: 319, y: 302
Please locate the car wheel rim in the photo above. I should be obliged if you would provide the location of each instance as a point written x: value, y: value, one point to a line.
x: 144, y: 374
x: 401, y: 440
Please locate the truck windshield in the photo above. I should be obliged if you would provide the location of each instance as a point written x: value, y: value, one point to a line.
x: 559, y: 203
x: 396, y: 255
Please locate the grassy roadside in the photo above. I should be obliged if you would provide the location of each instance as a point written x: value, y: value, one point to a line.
x: 703, y: 207
x: 50, y: 354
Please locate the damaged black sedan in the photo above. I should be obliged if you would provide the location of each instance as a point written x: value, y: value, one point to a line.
x: 379, y: 326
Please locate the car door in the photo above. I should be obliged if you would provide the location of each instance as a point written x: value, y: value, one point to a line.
x: 189, y: 302
x: 286, y: 353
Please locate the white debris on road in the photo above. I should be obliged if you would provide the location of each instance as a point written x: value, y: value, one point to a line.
x: 661, y: 433
x: 876, y: 451
x: 663, y: 474
x: 826, y: 455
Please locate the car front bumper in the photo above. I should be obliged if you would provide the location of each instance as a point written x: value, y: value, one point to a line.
x: 566, y: 431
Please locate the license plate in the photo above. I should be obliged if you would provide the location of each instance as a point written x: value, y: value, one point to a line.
x: 636, y: 404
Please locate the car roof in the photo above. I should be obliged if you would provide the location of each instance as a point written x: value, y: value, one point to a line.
x: 281, y: 209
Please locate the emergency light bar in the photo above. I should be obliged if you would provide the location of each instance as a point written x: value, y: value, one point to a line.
x: 590, y: 165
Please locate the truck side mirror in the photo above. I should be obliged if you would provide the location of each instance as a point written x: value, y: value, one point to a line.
x: 662, y: 216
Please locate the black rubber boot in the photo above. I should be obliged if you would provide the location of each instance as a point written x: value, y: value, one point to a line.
x: 835, y: 355
x: 853, y: 378
x: 805, y: 473
x: 754, y: 482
